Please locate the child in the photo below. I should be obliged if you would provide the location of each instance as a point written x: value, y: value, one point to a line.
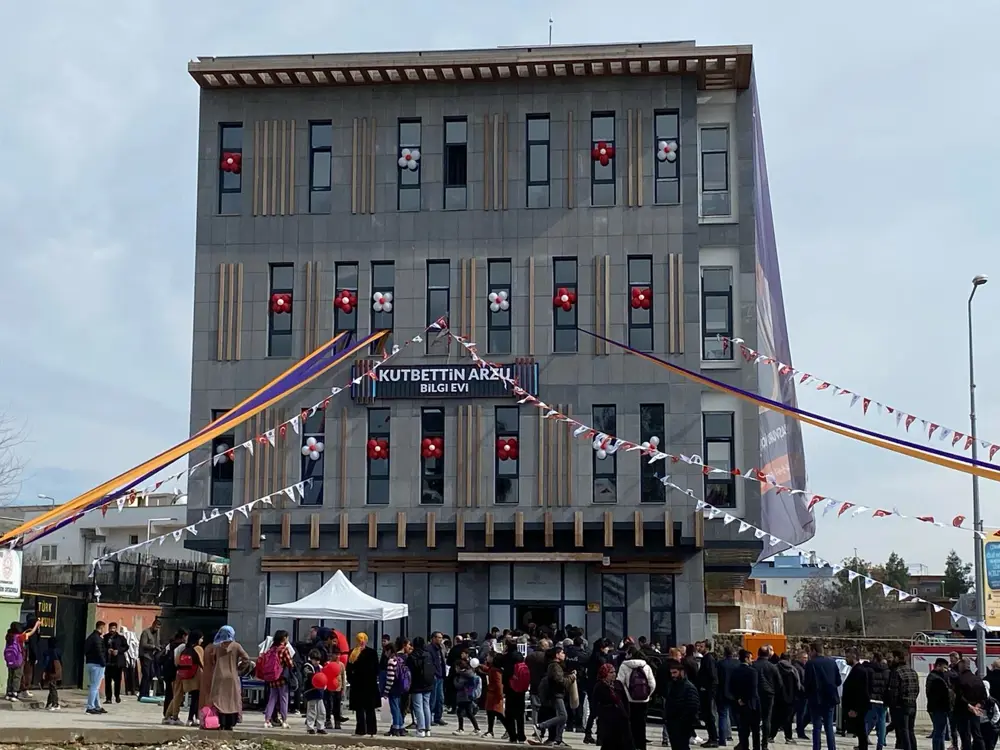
x: 466, y: 694
x: 52, y: 672
x: 14, y: 653
x: 313, y: 696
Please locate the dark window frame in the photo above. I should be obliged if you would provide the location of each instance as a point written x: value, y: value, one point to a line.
x: 613, y: 179
x: 621, y: 609
x: 492, y: 318
x: 432, y: 469
x: 655, y: 608
x: 313, y: 151
x: 604, y: 468
x: 223, y: 190
x: 313, y: 426
x: 372, y: 479
x: 725, y: 355
x: 727, y: 153
x: 514, y: 479
x: 651, y: 489
x: 715, y: 480
x: 272, y: 334
x: 219, y: 470
x: 400, y: 187
x: 339, y: 286
x: 556, y: 311
x: 385, y: 344
x: 531, y: 180
x: 460, y: 147
x: 634, y: 314
x: 661, y: 175
x: 432, y: 344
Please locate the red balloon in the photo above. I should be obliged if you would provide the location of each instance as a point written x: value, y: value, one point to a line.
x: 335, y: 667
x: 319, y: 681
x: 343, y: 658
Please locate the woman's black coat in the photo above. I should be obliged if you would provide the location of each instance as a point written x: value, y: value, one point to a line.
x: 362, y: 674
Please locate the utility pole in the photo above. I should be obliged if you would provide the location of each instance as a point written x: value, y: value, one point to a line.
x: 550, y: 30
x: 977, y: 518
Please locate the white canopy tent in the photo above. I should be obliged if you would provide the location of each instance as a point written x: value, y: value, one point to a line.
x: 339, y: 599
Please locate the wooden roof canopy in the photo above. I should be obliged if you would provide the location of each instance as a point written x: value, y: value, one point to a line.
x: 717, y: 68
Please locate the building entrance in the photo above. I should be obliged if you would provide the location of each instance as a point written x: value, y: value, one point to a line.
x: 543, y: 614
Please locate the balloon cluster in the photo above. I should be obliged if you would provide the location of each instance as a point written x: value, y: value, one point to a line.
x: 409, y: 159
x: 432, y: 447
x: 499, y: 301
x: 231, y: 162
x: 666, y: 151
x: 313, y: 448
x: 382, y: 302
x: 328, y: 675
x: 346, y: 301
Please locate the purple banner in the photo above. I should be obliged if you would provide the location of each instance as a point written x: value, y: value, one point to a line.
x: 781, y: 450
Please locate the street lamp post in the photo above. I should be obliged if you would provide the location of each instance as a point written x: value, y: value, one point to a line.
x: 977, y: 520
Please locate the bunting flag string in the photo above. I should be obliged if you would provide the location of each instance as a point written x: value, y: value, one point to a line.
x: 612, y: 444
x: 928, y: 429
x: 294, y: 492
x: 268, y: 437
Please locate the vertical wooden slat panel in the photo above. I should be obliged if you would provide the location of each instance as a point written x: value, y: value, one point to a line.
x: 221, y: 313
x: 462, y: 301
x: 308, y: 306
x: 263, y: 456
x: 637, y: 530
x: 489, y: 531
x: 680, y: 303
x: 282, y: 458
x: 668, y: 529
x: 699, y: 529
x: 363, y: 158
x: 283, y: 165
x: 550, y: 537
x: 344, y: 535
x: 531, y: 306
x: 472, y: 300
x: 460, y: 529
x: 286, y: 530
x: 470, y: 468
x: 609, y: 529
x: 317, y: 296
x: 671, y: 305
x: 629, y: 175
x: 640, y: 149
x: 314, y: 531
x: 258, y: 158
x: 275, y: 154
x: 570, y: 160
x: 260, y: 481
x: 550, y: 464
x: 519, y: 528
x: 354, y: 167
x: 486, y: 162
x: 475, y: 445
x: 506, y: 159
x: 570, y: 447
x: 343, y: 457
x: 372, y: 530
x: 541, y: 460
x: 264, y: 157
x: 401, y: 530
x: 557, y: 445
x: 239, y: 311
x: 496, y: 162
x: 231, y: 305
x: 371, y: 170
x: 607, y: 302
x: 598, y: 301
x: 461, y: 455
x: 291, y: 171
x: 234, y: 531
x: 431, y: 530
x: 578, y: 528
x: 255, y: 530
x: 247, y: 479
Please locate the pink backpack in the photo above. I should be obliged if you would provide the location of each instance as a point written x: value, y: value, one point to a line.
x: 209, y: 718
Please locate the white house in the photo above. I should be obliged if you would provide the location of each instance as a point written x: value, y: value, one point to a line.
x: 785, y: 575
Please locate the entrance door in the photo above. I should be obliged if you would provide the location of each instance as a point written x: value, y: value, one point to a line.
x: 543, y: 614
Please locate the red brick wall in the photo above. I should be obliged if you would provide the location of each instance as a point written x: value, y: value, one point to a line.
x: 134, y: 617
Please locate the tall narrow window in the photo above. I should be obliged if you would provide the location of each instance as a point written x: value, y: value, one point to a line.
x: 538, y: 161
x: 432, y: 456
x: 279, y: 316
x: 640, y: 303
x: 230, y: 168
x: 602, y: 159
x: 377, y: 450
x: 718, y: 428
x: 508, y: 429
x: 456, y: 162
x: 438, y: 301
x: 716, y: 312
x: 220, y: 488
x: 614, y: 606
x: 661, y: 608
x: 408, y: 158
x: 564, y: 280
x: 345, y: 304
x: 605, y: 469
x: 383, y: 300
x: 715, y: 198
x: 498, y: 327
x: 320, y: 166
x: 652, y: 426
x: 313, y: 456
x: 668, y: 157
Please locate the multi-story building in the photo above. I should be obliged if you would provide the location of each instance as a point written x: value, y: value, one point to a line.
x: 572, y: 179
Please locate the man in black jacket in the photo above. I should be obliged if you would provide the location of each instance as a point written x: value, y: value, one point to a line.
x: 95, y: 660
x: 708, y: 686
x: 970, y: 698
x: 681, y: 702
x: 116, y: 648
x: 746, y: 696
x: 768, y: 685
x: 939, y: 702
x: 857, y: 698
x: 727, y: 706
x: 879, y: 679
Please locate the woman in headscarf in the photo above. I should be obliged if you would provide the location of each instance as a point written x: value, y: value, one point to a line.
x: 220, y: 677
x: 614, y: 730
x: 362, y: 675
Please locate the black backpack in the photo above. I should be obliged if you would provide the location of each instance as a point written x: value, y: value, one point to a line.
x: 168, y: 669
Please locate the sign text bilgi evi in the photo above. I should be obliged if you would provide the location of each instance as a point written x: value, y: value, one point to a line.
x: 442, y: 381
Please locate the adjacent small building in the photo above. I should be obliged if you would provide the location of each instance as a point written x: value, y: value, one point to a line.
x: 785, y: 575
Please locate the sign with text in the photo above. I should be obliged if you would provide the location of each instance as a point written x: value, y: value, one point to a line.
x: 10, y: 573
x: 43, y: 607
x: 441, y: 381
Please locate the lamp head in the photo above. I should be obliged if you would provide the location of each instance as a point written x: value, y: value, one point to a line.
x: 979, y: 280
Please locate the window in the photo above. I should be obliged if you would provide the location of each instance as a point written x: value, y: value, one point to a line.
x: 320, y: 166
x: 652, y: 426
x: 230, y: 168
x: 715, y: 171
x: 668, y: 158
x: 432, y: 456
x: 313, y: 456
x: 345, y: 306
x: 279, y: 315
x: 133, y: 539
x: 408, y: 182
x: 498, y: 329
x: 383, y: 301
x: 508, y: 429
x: 661, y: 609
x: 716, y: 312
x: 613, y: 606
x: 538, y: 161
x: 602, y: 166
x: 378, y: 456
x: 605, y: 469
x: 49, y: 552
x: 438, y: 301
x: 720, y: 453
x: 564, y: 334
x: 220, y: 486
x: 456, y: 162
x: 640, y: 302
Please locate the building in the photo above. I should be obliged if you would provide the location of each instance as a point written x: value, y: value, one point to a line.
x: 747, y: 608
x: 586, y: 174
x: 785, y: 575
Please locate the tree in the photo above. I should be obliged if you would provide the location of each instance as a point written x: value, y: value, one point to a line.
x: 896, y: 573
x: 957, y: 576
x: 816, y: 595
x: 11, y: 465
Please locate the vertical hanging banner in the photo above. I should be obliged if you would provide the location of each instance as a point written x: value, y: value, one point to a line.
x: 991, y: 572
x: 782, y: 453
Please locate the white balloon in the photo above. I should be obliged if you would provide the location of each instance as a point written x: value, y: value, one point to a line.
x: 494, y: 297
x: 602, y: 454
x: 644, y: 445
x: 305, y: 450
x: 377, y: 307
x: 377, y: 297
x: 474, y: 663
x: 415, y: 153
x: 402, y: 162
x: 494, y: 306
x: 405, y: 152
x: 504, y: 305
x: 320, y: 446
x: 671, y: 156
x: 387, y: 297
x: 654, y: 441
x: 412, y: 166
x: 672, y: 146
x: 310, y: 442
x: 503, y: 294
x: 314, y: 455
x: 387, y: 307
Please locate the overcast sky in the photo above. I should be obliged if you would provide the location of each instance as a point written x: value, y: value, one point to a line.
x: 880, y: 125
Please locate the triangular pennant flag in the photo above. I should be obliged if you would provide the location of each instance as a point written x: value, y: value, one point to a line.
x: 191, y: 530
x: 744, y: 527
x: 993, y: 449
x: 955, y: 438
x: 214, y: 513
x: 177, y: 534
x: 945, y: 433
x: 161, y: 539
x: 773, y: 540
x: 954, y: 616
x: 836, y: 568
x: 844, y: 507
x: 813, y: 500
x: 909, y: 420
x: 886, y: 590
x: 759, y: 533
x: 700, y: 505
x: 728, y: 519
x: 865, y: 404
x: 879, y: 513
x: 204, y: 517
x: 899, y: 416
x: 301, y: 489
x: 851, y: 575
x: 244, y: 510
x: 869, y: 582
x: 968, y: 442
x: 249, y: 446
x: 937, y: 607
x: 229, y: 515
x: 854, y: 399
x: 957, y: 521
x: 902, y: 595
x: 290, y: 492
x: 714, y: 513
x: 295, y: 423
x: 269, y: 435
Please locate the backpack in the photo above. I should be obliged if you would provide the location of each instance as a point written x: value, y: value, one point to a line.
x: 477, y: 686
x: 427, y: 665
x: 168, y: 668
x: 13, y: 654
x: 638, y: 685
x: 520, y: 681
x: 401, y: 684
x: 186, y: 667
x: 269, y: 666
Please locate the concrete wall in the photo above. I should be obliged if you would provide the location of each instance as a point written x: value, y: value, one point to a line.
x: 899, y: 622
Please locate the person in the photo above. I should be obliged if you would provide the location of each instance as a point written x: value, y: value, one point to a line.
x: 708, y: 688
x: 990, y: 724
x: 516, y: 682
x: 149, y: 647
x: 857, y: 697
x: 599, y: 656
x: 639, y: 683
x: 95, y: 659
x: 940, y: 700
x: 970, y: 701
x: 51, y: 667
x: 494, y: 694
x: 768, y: 686
x: 116, y: 649
x: 993, y: 679
x: 422, y: 680
x: 390, y: 690
x: 329, y: 642
x: 879, y: 682
x: 552, y: 695
x: 746, y: 696
x: 362, y: 676
x: 188, y: 664
x: 466, y: 682
x: 726, y: 667
x: 901, y: 699
x: 801, y: 702
x: 165, y: 665
x: 313, y: 696
x: 822, y: 680
x: 786, y: 699
x: 437, y: 695
x: 32, y: 639
x: 277, y: 698
x: 220, y: 677
x: 681, y: 704
x: 611, y: 705
x: 537, y: 666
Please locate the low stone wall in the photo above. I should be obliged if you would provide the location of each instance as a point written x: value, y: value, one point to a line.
x: 834, y: 646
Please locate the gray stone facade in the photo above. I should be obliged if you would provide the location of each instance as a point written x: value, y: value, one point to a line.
x: 530, y: 239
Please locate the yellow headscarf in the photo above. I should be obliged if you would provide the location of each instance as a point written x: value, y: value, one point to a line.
x: 361, y: 640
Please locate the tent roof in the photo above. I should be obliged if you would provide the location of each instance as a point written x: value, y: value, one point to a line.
x: 339, y: 599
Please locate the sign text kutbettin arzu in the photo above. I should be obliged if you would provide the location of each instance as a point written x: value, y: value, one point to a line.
x: 443, y: 379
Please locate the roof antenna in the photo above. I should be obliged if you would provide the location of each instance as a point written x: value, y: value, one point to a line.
x: 550, y: 30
